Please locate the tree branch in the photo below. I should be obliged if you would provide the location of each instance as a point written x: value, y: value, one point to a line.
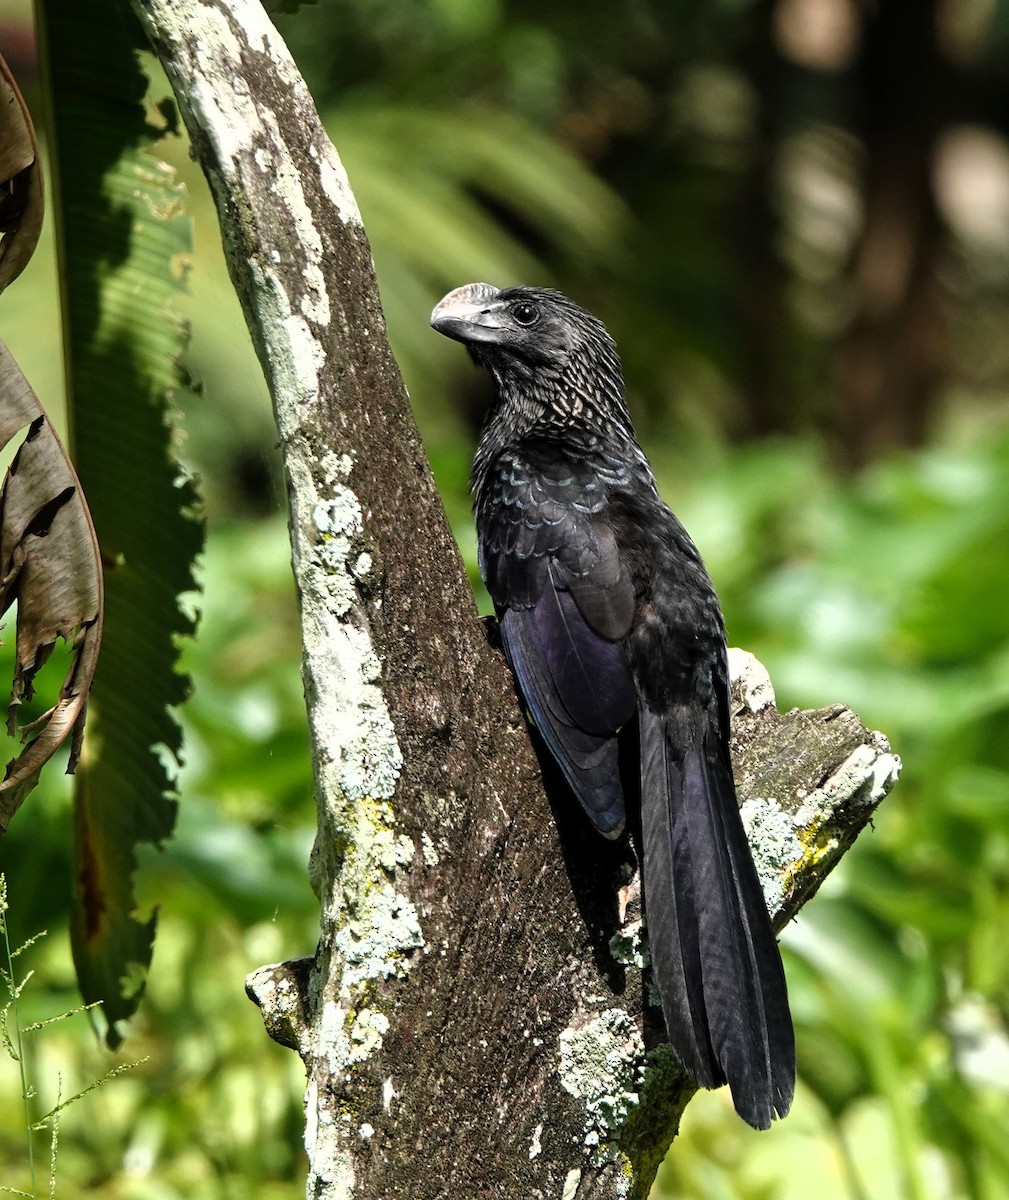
x: 473, y: 1023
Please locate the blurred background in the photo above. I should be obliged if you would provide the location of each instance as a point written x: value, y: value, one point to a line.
x: 794, y: 217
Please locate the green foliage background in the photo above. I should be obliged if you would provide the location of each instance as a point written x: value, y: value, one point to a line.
x: 700, y: 184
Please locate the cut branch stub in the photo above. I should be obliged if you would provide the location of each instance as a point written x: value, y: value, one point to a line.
x: 21, y: 192
x: 49, y: 563
x: 808, y: 783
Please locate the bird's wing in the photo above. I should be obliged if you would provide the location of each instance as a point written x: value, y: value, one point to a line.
x: 554, y: 572
x: 537, y: 509
x: 572, y: 679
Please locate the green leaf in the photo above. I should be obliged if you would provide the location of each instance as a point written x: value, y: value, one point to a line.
x: 122, y: 237
x: 450, y: 196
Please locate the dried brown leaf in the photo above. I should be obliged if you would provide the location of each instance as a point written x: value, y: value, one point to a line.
x: 49, y: 563
x: 21, y: 192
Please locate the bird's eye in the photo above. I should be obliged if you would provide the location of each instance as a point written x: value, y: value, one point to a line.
x: 526, y: 314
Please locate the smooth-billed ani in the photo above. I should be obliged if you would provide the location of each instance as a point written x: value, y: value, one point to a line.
x: 607, y: 615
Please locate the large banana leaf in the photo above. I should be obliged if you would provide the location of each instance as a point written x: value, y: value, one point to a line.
x: 121, y: 235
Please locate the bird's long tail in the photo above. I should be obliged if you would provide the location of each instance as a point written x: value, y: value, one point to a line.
x: 714, y: 955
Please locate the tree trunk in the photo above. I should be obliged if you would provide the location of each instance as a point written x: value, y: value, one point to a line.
x: 892, y: 358
x: 472, y: 1024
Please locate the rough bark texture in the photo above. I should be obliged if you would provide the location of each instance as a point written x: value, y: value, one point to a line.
x: 472, y: 1024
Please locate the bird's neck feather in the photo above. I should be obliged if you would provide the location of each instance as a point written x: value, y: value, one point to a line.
x: 575, y: 395
x: 576, y: 404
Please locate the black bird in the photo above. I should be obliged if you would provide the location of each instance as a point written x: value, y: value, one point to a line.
x: 607, y: 614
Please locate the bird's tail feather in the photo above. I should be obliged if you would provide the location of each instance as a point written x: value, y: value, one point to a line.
x: 714, y: 954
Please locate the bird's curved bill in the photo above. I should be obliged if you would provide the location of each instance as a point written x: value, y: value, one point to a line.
x: 469, y: 313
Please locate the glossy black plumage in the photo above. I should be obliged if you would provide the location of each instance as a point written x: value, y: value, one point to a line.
x: 607, y: 612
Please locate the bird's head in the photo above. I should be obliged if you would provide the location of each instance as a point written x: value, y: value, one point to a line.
x: 553, y: 364
x: 522, y: 328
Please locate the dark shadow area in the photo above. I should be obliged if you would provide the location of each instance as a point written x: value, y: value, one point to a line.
x: 596, y: 867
